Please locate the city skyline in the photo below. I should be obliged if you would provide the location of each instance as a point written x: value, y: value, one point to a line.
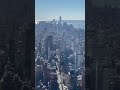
x: 47, y: 10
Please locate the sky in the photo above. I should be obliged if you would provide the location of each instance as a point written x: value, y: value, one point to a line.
x: 46, y: 10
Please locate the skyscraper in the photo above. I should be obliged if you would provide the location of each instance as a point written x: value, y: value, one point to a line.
x: 60, y: 18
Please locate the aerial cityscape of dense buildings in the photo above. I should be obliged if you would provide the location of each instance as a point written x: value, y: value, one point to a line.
x: 60, y: 56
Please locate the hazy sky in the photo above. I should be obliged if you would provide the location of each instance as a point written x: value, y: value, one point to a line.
x: 52, y: 9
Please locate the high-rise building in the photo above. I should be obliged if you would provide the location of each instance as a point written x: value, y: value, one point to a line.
x: 60, y: 18
x: 79, y: 58
x: 49, y: 44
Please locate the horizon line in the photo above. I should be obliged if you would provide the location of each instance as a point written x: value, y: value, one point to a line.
x: 62, y: 20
